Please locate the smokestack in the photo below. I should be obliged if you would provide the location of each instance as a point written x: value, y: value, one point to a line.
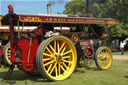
x: 89, y: 8
x: 49, y: 8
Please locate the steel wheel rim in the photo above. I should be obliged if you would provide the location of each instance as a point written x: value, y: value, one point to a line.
x: 105, y: 58
x: 59, y: 64
x: 8, y: 54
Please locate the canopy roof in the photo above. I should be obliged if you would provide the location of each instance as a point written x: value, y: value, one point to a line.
x: 34, y: 20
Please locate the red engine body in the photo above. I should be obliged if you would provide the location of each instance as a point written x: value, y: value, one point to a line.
x: 27, y: 52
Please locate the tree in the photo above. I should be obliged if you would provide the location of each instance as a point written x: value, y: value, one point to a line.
x: 117, y: 9
x: 75, y: 7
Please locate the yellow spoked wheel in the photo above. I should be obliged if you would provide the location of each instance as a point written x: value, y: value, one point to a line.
x: 56, y: 58
x: 7, y: 53
x: 103, y: 58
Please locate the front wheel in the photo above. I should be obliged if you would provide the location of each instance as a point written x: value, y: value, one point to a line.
x: 56, y: 58
x: 103, y: 58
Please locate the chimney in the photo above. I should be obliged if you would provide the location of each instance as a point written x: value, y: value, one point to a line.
x: 49, y: 8
x: 89, y: 8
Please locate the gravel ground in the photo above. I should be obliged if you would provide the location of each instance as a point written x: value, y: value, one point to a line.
x: 120, y: 57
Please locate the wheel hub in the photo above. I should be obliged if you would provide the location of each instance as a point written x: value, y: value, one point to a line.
x: 58, y: 58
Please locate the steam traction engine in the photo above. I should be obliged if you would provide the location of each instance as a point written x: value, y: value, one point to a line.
x: 54, y: 53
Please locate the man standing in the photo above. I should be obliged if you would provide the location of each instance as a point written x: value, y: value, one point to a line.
x: 122, y: 47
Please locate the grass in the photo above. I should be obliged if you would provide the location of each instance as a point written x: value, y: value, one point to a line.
x: 119, y: 53
x: 116, y: 75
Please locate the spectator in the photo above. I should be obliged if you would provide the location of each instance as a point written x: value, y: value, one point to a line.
x: 122, y: 47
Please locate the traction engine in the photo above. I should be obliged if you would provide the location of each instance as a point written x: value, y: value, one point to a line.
x: 52, y: 53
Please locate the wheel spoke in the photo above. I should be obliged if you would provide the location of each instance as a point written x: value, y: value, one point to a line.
x: 62, y: 46
x: 9, y: 51
x: 109, y: 55
x: 49, y: 51
x: 67, y: 61
x: 56, y: 71
x: 47, y: 55
x: 100, y: 60
x: 65, y: 65
x: 102, y: 53
x: 49, y: 62
x: 46, y: 59
x: 103, y: 50
x: 49, y: 68
x: 102, y: 63
x: 53, y: 68
x: 108, y: 59
x: 106, y: 53
x: 59, y: 68
x: 63, y: 50
x: 99, y: 55
x: 67, y: 52
x: 64, y: 57
x: 52, y: 48
x: 58, y: 46
x: 63, y: 68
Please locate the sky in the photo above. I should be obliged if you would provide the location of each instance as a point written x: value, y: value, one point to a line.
x: 32, y: 6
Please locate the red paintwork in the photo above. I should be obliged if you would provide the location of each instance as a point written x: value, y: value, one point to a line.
x: 87, y: 52
x: 39, y: 31
x: 86, y: 42
x: 60, y: 19
x: 24, y: 45
x: 10, y: 8
x: 88, y: 45
x: 57, y: 19
x: 1, y: 50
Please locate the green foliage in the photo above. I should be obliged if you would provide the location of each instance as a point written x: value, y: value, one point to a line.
x: 76, y: 7
x: 112, y: 9
x: 119, y: 52
x: 117, y: 9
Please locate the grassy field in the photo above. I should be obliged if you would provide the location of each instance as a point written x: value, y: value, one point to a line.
x: 116, y: 75
x: 119, y: 53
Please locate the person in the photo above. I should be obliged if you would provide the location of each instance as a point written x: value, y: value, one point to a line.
x: 122, y: 47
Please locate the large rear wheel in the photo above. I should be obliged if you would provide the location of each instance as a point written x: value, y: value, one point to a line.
x: 56, y: 58
x: 103, y: 58
x: 7, y: 54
